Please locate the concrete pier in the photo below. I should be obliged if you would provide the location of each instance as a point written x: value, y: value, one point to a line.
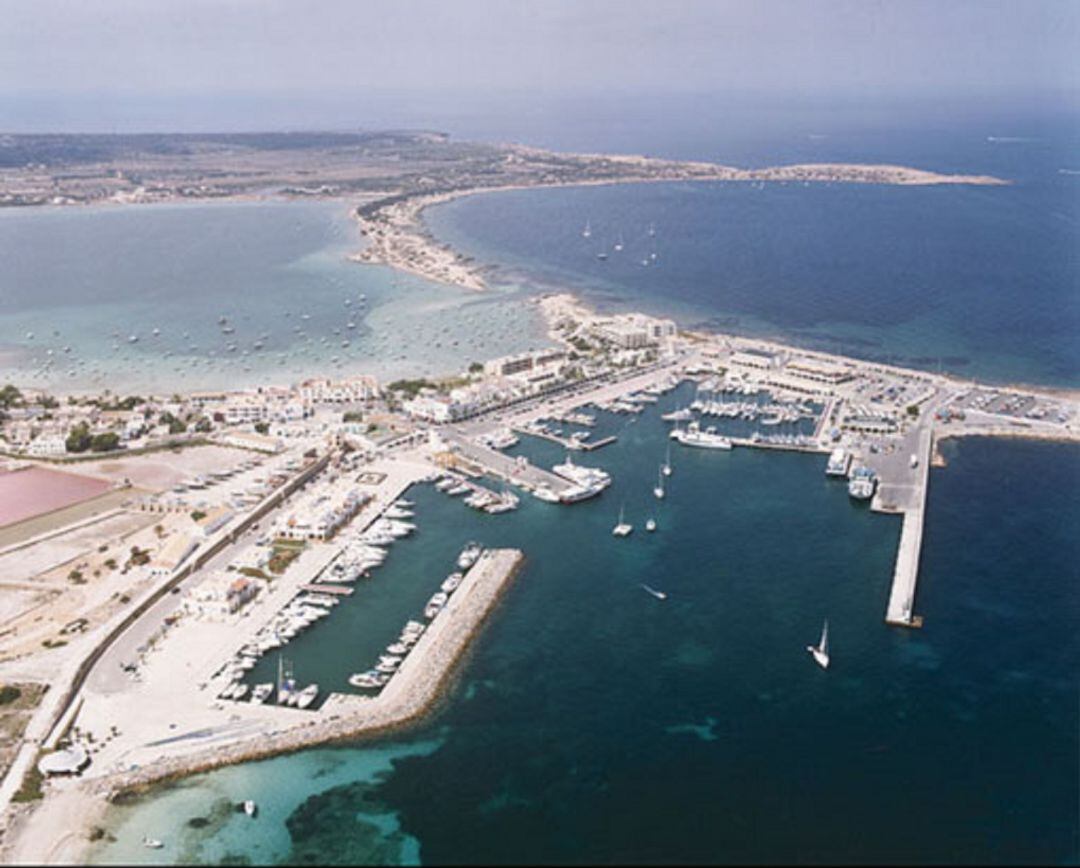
x: 503, y: 467
x: 906, y: 574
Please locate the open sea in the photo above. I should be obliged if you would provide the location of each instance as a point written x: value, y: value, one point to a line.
x: 591, y: 721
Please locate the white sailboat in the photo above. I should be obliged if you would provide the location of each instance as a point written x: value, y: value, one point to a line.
x: 665, y: 468
x: 622, y: 528
x: 820, y: 651
x: 650, y: 525
x: 587, y: 231
x: 659, y: 489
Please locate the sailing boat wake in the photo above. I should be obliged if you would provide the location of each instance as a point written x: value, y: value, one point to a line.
x: 660, y: 595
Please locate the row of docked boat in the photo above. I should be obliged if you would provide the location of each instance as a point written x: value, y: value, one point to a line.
x: 798, y: 441
x: 479, y: 498
x: 388, y: 663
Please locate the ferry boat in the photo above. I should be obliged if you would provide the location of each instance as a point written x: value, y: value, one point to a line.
x: 820, y: 652
x: 469, y: 555
x: 575, y: 493
x: 692, y: 435
x: 839, y: 461
x: 542, y: 492
x: 861, y: 484
x: 589, y: 477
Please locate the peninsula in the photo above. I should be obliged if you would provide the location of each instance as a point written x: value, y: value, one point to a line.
x: 393, y: 175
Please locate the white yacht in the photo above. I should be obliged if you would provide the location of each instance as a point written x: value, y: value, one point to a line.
x: 450, y: 584
x: 371, y: 678
x: 820, y: 651
x: 435, y: 604
x: 262, y: 692
x: 469, y: 555
x: 692, y: 435
x: 307, y: 696
x: 622, y: 528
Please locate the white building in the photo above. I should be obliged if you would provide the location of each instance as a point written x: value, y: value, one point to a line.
x: 47, y: 445
x: 250, y: 440
x: 634, y: 331
x: 433, y: 408
x: 221, y: 595
x: 350, y: 390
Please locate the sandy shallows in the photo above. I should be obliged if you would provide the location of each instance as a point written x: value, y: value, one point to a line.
x: 36, y: 490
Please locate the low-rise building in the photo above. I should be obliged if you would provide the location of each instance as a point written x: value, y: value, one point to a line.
x: 250, y: 440
x: 220, y: 595
x: 172, y: 555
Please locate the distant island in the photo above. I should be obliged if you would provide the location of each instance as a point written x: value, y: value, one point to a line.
x: 393, y: 174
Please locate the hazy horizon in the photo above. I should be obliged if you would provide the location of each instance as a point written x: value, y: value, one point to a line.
x: 126, y: 66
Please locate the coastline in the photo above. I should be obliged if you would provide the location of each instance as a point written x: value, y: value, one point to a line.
x: 397, y: 236
x: 413, y: 695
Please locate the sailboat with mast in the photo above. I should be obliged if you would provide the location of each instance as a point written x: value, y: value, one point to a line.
x: 665, y: 468
x: 820, y: 652
x: 659, y: 489
x: 622, y: 528
x: 587, y: 231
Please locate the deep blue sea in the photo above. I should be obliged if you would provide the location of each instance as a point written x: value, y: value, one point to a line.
x: 973, y: 280
x: 592, y: 722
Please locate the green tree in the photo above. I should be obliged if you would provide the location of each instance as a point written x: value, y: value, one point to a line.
x: 106, y: 442
x: 262, y: 427
x: 9, y: 395
x: 78, y: 439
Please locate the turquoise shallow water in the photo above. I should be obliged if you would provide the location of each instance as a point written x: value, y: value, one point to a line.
x: 83, y: 281
x: 592, y: 722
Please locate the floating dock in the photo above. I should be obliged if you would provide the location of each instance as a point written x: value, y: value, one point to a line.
x: 326, y: 588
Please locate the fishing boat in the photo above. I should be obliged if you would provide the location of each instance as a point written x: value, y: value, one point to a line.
x: 622, y: 528
x: 820, y: 652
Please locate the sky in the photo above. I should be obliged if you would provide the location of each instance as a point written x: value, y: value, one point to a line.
x: 112, y: 61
